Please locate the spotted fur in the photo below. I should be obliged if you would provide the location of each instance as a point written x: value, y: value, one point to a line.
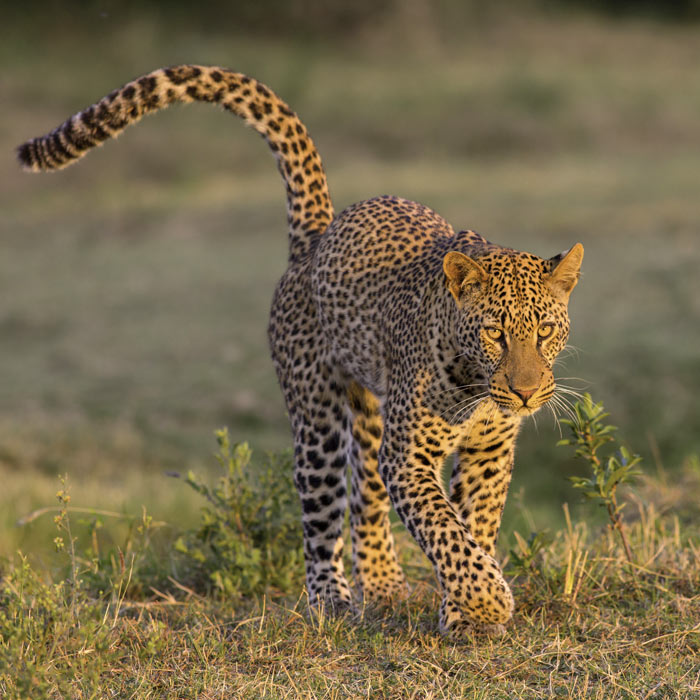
x: 397, y: 343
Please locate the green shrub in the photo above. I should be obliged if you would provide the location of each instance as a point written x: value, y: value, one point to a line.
x: 589, y: 434
x: 539, y: 559
x: 249, y: 538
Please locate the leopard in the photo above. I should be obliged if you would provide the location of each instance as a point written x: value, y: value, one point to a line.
x: 402, y: 347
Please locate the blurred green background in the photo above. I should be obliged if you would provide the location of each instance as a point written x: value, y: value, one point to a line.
x: 135, y: 287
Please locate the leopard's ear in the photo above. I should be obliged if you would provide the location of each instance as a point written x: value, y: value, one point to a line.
x: 565, y: 272
x: 464, y: 275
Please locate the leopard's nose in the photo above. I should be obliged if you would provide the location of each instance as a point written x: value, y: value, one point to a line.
x: 523, y: 394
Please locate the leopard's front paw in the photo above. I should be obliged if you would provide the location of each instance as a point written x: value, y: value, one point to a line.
x: 461, y: 629
x: 480, y: 610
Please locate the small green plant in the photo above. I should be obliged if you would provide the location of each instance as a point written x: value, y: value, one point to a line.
x: 249, y: 538
x: 135, y: 566
x: 527, y: 557
x: 104, y: 568
x: 63, y: 525
x: 589, y: 434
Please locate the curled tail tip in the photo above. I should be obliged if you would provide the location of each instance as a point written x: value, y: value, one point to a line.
x: 31, y: 159
x: 35, y: 156
x: 26, y: 157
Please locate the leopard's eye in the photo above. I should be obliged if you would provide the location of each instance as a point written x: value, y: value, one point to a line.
x: 545, y: 330
x: 494, y: 333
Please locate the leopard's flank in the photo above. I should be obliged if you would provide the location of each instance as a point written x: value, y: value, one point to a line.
x: 397, y: 343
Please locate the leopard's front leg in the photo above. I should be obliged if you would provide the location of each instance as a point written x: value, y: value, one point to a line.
x: 473, y: 588
x: 482, y: 472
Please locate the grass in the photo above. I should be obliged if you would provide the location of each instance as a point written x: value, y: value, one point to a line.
x: 191, y: 650
x: 588, y: 624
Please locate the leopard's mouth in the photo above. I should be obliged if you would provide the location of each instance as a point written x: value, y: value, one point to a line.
x: 512, y: 405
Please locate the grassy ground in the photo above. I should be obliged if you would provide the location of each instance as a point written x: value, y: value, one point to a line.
x: 587, y: 625
x: 134, y: 292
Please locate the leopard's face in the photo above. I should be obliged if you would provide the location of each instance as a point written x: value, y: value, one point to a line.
x: 517, y: 345
x: 513, y: 321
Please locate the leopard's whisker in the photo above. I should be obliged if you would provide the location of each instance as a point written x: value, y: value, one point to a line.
x: 569, y: 391
x: 570, y: 349
x: 489, y: 418
x: 563, y: 406
x: 555, y: 417
x: 563, y: 396
x: 455, y: 389
x: 471, y: 403
x: 568, y: 352
x: 471, y: 398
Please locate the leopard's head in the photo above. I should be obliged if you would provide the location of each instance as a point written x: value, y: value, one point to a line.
x: 513, y: 319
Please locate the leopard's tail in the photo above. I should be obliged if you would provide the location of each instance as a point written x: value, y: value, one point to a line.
x: 309, y: 208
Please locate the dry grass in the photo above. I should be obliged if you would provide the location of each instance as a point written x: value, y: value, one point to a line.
x: 587, y: 626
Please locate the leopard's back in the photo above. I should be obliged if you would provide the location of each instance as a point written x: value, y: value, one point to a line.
x: 369, y: 271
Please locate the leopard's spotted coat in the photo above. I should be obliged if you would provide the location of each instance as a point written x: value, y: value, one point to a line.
x: 397, y: 342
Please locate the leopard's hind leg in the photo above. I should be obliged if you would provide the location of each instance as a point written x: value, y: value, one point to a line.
x: 320, y: 420
x: 375, y: 565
